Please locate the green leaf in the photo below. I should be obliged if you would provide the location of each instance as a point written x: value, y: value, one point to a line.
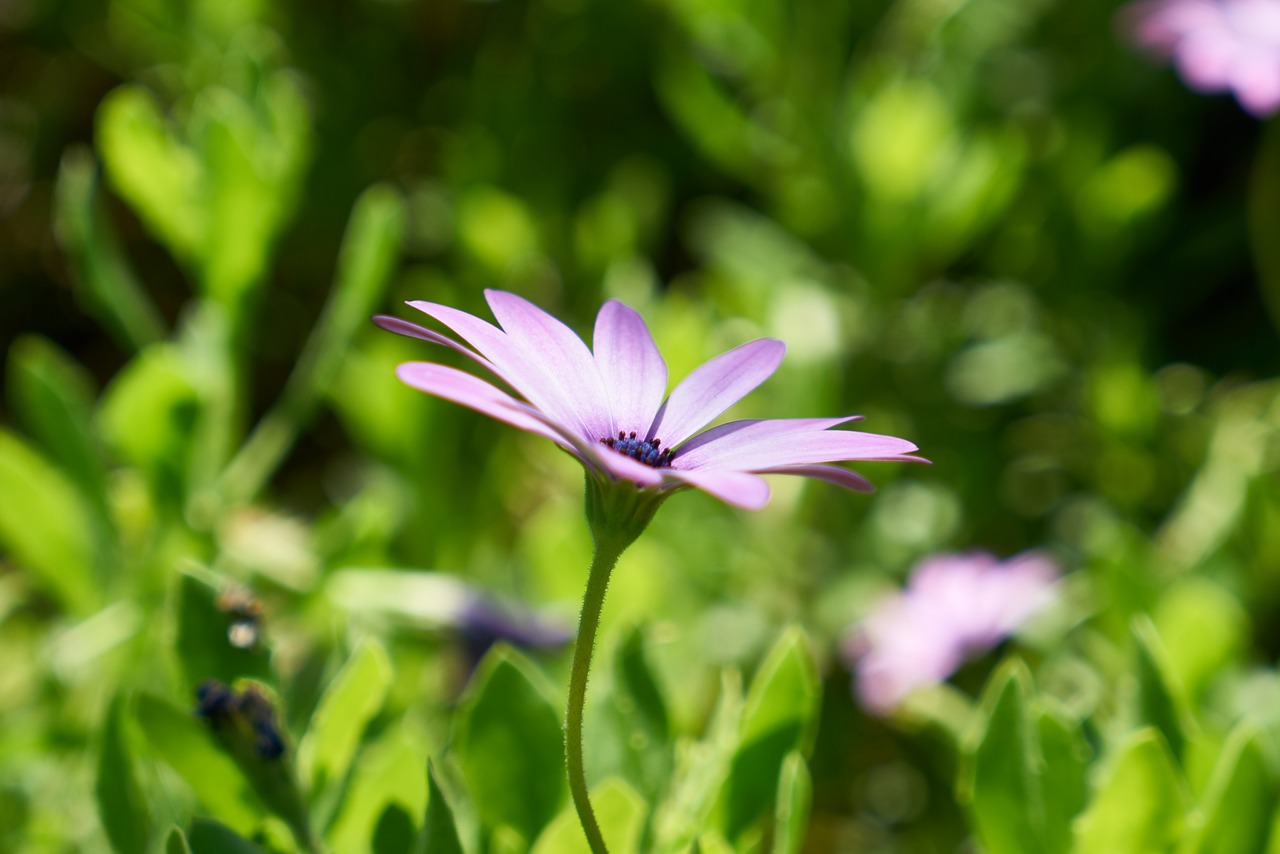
x: 1161, y: 702
x: 780, y: 716
x: 176, y: 841
x: 46, y: 526
x: 190, y: 749
x: 210, y: 837
x: 352, y: 700
x: 1062, y: 774
x: 1240, y: 800
x: 439, y: 830
x: 1141, y: 803
x: 638, y: 712
x: 1004, y: 795
x: 204, y: 643
x: 620, y: 811
x: 509, y: 744
x: 795, y: 797
x: 102, y: 275
x: 160, y: 177
x: 387, y: 777
x: 121, y: 804
x: 53, y: 395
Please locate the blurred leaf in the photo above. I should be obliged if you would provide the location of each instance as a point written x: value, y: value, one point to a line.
x: 190, y: 749
x: 387, y: 776
x: 1160, y: 700
x: 701, y: 769
x: 204, y: 643
x: 369, y: 254
x: 103, y: 276
x: 1140, y: 804
x: 791, y: 813
x: 780, y: 716
x: 439, y: 830
x: 147, y: 412
x: 122, y: 807
x: 352, y: 700
x: 160, y: 177
x: 1240, y: 801
x: 210, y: 837
x: 1062, y: 772
x: 620, y: 811
x: 46, y: 527
x: 509, y: 744
x: 53, y: 395
x: 640, y: 714
x: 1004, y: 794
x: 176, y: 841
x: 1203, y: 627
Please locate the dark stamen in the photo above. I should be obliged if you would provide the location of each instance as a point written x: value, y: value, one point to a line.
x: 647, y: 451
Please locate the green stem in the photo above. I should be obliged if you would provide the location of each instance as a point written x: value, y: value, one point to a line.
x: 602, y: 564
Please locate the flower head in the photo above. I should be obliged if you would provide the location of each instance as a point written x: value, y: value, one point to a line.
x: 955, y: 606
x: 608, y: 406
x: 1217, y: 45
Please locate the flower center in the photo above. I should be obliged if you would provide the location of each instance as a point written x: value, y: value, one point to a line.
x: 641, y: 450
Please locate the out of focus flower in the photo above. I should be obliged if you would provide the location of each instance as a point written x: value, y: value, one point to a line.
x: 607, y: 409
x: 955, y: 606
x: 1217, y: 45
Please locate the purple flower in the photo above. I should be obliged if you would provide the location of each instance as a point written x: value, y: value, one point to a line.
x: 607, y: 409
x: 1217, y: 45
x: 955, y: 607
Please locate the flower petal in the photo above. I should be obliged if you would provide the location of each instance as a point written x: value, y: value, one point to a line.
x: 850, y: 480
x: 474, y: 393
x: 632, y: 369
x: 413, y: 330
x: 738, y: 488
x: 774, y: 443
x: 713, y: 387
x: 564, y: 362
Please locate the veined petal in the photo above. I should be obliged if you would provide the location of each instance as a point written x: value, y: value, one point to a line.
x: 632, y: 369
x: 596, y: 455
x: 413, y: 330
x: 713, y: 387
x: 474, y: 393
x: 850, y: 480
x: 771, y: 444
x: 565, y: 364
x: 741, y: 489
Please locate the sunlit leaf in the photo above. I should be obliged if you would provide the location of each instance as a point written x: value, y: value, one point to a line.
x: 1140, y: 803
x: 780, y: 716
x: 210, y: 837
x: 791, y: 813
x: 1005, y: 797
x: 1062, y: 773
x: 639, y: 713
x: 439, y: 830
x: 620, y: 812
x: 1161, y: 702
x: 46, y: 527
x: 205, y: 635
x: 509, y: 744
x: 1241, y: 799
x: 176, y: 841
x: 388, y: 776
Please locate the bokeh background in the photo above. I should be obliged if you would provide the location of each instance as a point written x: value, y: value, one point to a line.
x: 989, y: 226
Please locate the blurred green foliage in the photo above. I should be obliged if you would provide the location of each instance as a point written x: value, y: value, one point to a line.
x: 984, y: 224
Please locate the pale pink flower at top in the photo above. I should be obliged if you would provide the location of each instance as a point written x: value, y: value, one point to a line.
x: 1217, y: 45
x: 955, y: 606
x: 606, y: 406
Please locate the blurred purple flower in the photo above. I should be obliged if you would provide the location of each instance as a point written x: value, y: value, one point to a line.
x: 955, y: 607
x: 1217, y: 45
x: 606, y: 407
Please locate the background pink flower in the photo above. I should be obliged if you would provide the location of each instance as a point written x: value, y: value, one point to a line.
x: 955, y: 606
x: 1217, y: 45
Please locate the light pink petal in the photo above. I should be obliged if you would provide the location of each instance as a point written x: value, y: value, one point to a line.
x: 1159, y: 25
x: 1256, y: 81
x: 474, y: 393
x: 633, y: 371
x: 831, y: 474
x: 564, y: 362
x: 713, y: 387
x: 597, y: 456
x: 771, y: 444
x: 1205, y: 59
x: 413, y: 330
x: 732, y: 487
